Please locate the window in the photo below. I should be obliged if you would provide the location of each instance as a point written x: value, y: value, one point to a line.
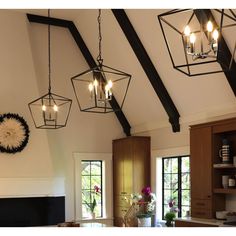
x: 176, y: 184
x: 91, y: 176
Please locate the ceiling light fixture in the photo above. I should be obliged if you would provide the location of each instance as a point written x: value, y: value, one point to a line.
x: 198, y: 39
x: 96, y: 88
x: 50, y: 111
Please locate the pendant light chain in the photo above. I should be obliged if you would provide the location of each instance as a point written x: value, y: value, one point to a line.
x: 99, y: 58
x: 49, y: 56
x: 50, y: 111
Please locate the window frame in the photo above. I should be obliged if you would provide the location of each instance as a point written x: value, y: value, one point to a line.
x: 107, y: 183
x: 179, y: 174
x: 101, y: 186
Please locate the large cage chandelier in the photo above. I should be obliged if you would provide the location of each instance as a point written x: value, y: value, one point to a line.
x: 194, y: 38
x: 97, y: 88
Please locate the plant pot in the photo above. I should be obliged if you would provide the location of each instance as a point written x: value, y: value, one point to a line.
x: 144, y: 222
x: 92, y: 215
x: 169, y: 223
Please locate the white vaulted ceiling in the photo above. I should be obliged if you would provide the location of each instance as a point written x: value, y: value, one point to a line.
x: 195, y: 98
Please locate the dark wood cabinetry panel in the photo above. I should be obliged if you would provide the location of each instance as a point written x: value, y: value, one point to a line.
x: 201, y: 163
x: 131, y: 171
x: 207, y: 193
x: 180, y: 223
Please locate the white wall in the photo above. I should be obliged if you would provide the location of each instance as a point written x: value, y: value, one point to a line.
x: 22, y: 173
x: 45, y: 167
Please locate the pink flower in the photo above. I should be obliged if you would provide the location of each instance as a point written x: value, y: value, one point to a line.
x: 146, y: 191
x: 171, y: 204
x: 141, y: 201
x: 97, y: 189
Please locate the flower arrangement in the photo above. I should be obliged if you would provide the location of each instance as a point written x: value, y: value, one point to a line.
x: 92, y: 205
x: 171, y: 215
x: 146, y: 202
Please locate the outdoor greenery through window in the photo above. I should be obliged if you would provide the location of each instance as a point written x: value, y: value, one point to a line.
x: 176, y: 184
x: 92, y: 188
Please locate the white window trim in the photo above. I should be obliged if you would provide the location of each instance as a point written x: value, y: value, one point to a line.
x: 107, y: 182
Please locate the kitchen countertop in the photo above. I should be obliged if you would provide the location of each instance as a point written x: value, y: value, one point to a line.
x: 213, y: 222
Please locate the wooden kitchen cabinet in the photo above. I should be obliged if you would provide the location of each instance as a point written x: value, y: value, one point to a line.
x: 201, y: 171
x: 131, y: 171
x: 201, y: 162
x: 207, y: 194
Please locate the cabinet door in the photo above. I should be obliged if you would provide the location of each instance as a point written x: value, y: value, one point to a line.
x: 128, y: 166
x: 141, y: 159
x: 201, y: 163
x: 118, y: 167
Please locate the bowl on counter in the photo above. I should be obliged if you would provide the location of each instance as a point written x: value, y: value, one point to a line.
x: 231, y: 216
x: 221, y: 215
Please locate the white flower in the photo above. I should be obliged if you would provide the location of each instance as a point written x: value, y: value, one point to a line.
x: 153, y: 197
x: 136, y: 197
x: 150, y: 207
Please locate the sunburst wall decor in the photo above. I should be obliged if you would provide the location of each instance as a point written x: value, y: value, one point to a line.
x: 14, y: 133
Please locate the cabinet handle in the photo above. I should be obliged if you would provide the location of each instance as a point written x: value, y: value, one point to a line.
x: 123, y: 192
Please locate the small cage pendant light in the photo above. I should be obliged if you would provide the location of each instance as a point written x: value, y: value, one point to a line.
x: 96, y: 88
x: 50, y: 111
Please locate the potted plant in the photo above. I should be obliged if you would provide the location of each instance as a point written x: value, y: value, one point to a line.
x: 146, y: 202
x: 171, y: 215
x: 92, y: 205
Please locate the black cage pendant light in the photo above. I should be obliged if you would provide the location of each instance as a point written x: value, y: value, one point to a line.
x: 51, y: 111
x: 96, y: 88
x: 195, y: 39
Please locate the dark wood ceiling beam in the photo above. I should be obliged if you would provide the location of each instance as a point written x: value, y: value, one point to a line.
x: 204, y: 15
x: 148, y: 67
x: 87, y: 55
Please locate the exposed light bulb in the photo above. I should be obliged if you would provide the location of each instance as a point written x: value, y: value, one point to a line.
x: 192, y: 38
x: 107, y: 87
x: 55, y: 107
x: 110, y: 84
x: 44, y: 108
x: 106, y: 91
x: 95, y: 83
x: 90, y: 87
x: 187, y: 31
x: 209, y: 26
x: 215, y: 35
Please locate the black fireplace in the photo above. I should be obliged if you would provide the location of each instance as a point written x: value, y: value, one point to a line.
x: 31, y: 211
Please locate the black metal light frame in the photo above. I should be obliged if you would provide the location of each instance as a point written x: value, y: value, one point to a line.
x: 47, y: 118
x: 104, y: 73
x: 59, y: 101
x: 103, y: 70
x: 225, y: 63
